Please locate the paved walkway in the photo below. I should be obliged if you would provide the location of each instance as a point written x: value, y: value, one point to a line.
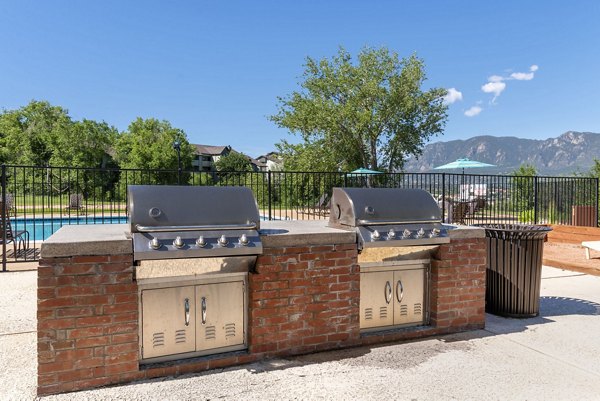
x: 551, y: 357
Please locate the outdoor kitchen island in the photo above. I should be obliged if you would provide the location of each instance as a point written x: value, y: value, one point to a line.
x: 303, y: 296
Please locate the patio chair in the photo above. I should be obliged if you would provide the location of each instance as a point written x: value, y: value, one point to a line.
x: 75, y: 203
x: 320, y: 208
x: 459, y: 211
x: 19, y: 239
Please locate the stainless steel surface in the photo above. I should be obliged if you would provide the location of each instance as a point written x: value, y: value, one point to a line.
x: 189, y: 206
x: 409, y: 306
x: 149, y: 229
x: 164, y: 329
x: 172, y: 222
x: 214, y: 317
x: 375, y: 211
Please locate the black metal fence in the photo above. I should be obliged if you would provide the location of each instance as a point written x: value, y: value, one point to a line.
x: 36, y: 201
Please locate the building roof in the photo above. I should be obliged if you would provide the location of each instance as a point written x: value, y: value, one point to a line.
x: 211, y: 150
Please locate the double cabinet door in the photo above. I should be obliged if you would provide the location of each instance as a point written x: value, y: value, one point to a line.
x: 179, y: 320
x: 392, y: 297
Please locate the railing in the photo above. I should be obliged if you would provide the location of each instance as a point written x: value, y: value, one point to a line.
x: 38, y: 200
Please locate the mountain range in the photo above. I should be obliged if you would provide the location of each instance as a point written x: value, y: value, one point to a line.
x: 571, y: 152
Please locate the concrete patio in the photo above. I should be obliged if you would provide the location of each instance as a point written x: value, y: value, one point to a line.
x: 551, y: 357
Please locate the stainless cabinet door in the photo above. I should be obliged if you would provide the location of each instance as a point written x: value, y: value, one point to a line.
x: 409, y: 290
x: 168, y: 321
x: 220, y: 319
x: 376, y: 299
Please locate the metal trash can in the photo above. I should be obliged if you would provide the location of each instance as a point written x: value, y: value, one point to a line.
x: 514, y: 271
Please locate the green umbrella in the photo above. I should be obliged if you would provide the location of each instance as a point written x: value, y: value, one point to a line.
x: 463, y: 163
x: 363, y: 170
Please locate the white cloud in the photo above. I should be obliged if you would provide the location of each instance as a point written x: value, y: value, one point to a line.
x: 453, y: 96
x: 496, y: 78
x: 473, y: 111
x: 522, y: 76
x: 533, y: 68
x: 494, y: 87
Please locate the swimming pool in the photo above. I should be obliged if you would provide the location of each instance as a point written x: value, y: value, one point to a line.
x: 42, y: 228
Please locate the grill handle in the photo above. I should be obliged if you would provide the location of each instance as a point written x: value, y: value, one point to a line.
x: 388, y: 292
x: 186, y: 307
x: 399, y: 294
x: 363, y: 222
x: 203, y: 310
x: 208, y: 227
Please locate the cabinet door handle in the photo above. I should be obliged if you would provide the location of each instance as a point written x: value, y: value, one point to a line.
x: 399, y: 294
x: 186, y: 308
x: 203, y: 310
x: 388, y: 292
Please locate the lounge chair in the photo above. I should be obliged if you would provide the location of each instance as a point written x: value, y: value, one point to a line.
x: 459, y: 212
x: 75, y: 203
x: 19, y: 239
x: 320, y: 208
x: 595, y: 245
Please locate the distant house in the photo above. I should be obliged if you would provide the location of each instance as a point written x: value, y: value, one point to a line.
x: 272, y: 161
x: 206, y: 156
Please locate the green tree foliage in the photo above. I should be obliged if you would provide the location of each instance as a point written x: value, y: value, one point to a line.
x: 232, y: 162
x: 523, y: 192
x: 372, y: 113
x: 148, y: 144
x: 307, y: 156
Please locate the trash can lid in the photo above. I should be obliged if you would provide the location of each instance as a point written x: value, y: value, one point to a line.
x: 516, y: 231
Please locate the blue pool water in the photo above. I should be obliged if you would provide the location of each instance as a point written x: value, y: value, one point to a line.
x: 42, y: 228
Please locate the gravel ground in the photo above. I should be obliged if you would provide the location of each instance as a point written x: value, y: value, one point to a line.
x: 551, y: 357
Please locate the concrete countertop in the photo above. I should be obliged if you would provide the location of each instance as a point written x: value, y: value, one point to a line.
x: 303, y: 232
x: 91, y: 239
x: 112, y: 239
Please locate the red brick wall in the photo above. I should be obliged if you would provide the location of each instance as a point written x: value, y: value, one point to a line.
x: 87, y: 322
x: 304, y: 299
x: 301, y: 300
x: 458, y: 285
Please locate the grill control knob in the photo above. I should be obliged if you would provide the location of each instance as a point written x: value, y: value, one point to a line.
x: 178, y: 243
x: 406, y: 233
x: 435, y: 232
x: 244, y: 240
x: 154, y: 244
x: 223, y: 240
x: 375, y: 235
x: 201, y: 242
x: 391, y: 234
x: 420, y: 233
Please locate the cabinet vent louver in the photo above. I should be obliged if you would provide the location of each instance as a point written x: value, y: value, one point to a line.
x: 210, y: 333
x: 230, y: 330
x: 368, y: 314
x: 403, y: 310
x: 180, y: 336
x: 418, y: 309
x: 383, y: 312
x: 158, y: 339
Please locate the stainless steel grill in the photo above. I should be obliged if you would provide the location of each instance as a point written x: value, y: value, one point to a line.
x: 385, y: 217
x: 170, y: 222
x: 396, y: 230
x: 193, y: 247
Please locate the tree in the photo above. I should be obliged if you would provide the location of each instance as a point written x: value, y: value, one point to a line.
x: 372, y: 113
x: 148, y: 144
x: 523, y: 192
x: 308, y: 156
x: 233, y: 162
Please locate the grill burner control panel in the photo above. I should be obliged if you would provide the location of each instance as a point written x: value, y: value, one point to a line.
x: 168, y: 245
x: 402, y: 235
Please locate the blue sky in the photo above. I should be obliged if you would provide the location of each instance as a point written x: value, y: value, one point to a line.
x: 215, y: 69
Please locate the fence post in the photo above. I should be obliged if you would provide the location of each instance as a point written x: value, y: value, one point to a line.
x: 269, y: 188
x: 3, y: 217
x: 535, y: 200
x: 345, y: 180
x: 443, y: 196
x: 596, y: 200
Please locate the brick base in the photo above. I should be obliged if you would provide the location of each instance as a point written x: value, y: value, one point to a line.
x: 301, y: 300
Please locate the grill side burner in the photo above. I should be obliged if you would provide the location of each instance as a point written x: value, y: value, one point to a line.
x: 193, y: 248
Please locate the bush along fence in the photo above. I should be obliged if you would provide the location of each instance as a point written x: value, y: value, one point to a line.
x: 36, y: 201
